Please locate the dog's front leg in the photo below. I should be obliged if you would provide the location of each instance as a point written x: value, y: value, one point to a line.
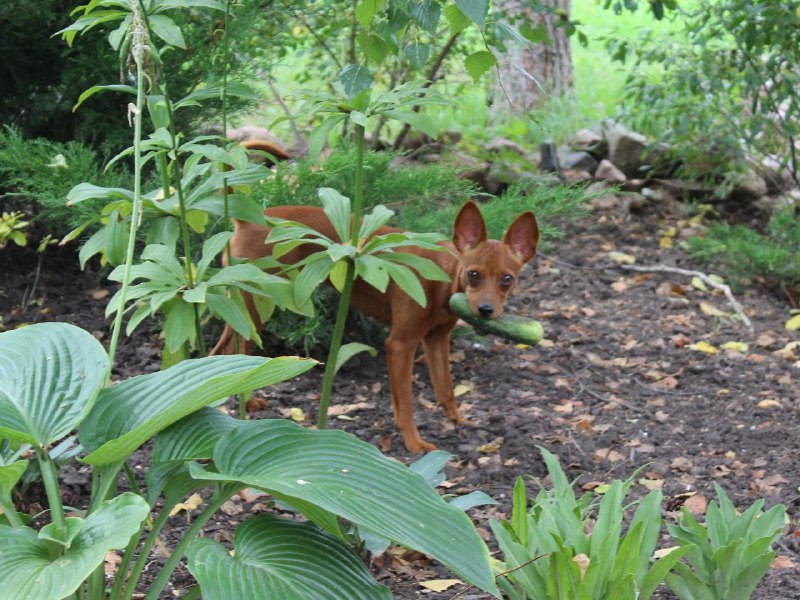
x: 400, y: 365
x: 437, y: 354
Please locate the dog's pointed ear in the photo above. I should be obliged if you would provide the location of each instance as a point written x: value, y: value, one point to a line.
x: 523, y: 236
x: 469, y: 230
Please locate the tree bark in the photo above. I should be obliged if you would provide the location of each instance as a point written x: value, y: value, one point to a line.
x: 531, y: 73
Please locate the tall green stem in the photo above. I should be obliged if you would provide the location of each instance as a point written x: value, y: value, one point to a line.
x: 50, y: 480
x: 347, y: 291
x: 137, y: 199
x: 184, y: 225
x: 221, y: 494
x: 226, y: 218
x: 118, y: 592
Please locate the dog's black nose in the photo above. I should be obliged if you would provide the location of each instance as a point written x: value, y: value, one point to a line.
x: 485, y: 310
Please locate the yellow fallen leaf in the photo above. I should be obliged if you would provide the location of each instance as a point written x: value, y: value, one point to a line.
x: 788, y: 350
x: 730, y: 454
x: 192, y: 503
x: 440, y: 585
x: 661, y: 553
x: 670, y: 232
x: 491, y: 447
x: 711, y: 311
x: 735, y: 346
x: 297, y: 414
x: 699, y: 284
x: 793, y: 324
x: 652, y: 484
x: 665, y: 243
x: 716, y: 279
x: 769, y: 404
x: 601, y: 489
x: 461, y: 389
x: 622, y: 258
x: 703, y: 346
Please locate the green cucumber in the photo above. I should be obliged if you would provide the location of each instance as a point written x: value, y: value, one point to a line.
x: 510, y: 327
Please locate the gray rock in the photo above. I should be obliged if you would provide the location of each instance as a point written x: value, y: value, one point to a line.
x: 498, y: 145
x: 625, y: 148
x: 748, y: 186
x: 607, y: 171
x: 587, y: 140
x: 578, y: 161
x: 549, y: 157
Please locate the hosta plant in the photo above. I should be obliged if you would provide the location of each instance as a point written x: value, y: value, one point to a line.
x: 53, y: 382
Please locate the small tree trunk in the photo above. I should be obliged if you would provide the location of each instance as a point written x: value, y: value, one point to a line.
x: 531, y: 73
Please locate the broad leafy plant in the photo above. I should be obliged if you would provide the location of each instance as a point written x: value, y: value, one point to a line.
x: 567, y: 548
x: 52, y: 382
x: 727, y: 556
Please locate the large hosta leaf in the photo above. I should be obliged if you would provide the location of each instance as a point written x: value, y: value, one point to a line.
x: 278, y: 558
x: 50, y: 374
x: 350, y: 478
x: 128, y: 414
x: 31, y: 573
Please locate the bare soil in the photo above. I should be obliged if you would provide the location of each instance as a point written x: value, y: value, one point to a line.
x: 617, y: 384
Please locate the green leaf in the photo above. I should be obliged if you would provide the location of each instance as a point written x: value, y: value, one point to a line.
x: 408, y: 282
x: 50, y: 374
x: 418, y: 121
x: 29, y: 570
x: 372, y: 269
x: 426, y: 14
x: 337, y: 208
x: 350, y: 478
x: 167, y: 30
x: 278, y: 558
x: 355, y: 79
x: 89, y: 191
x: 320, y: 134
x: 457, y: 19
x: 128, y: 414
x: 179, y: 325
x: 197, y: 294
x: 366, y: 11
x: 348, y: 351
x: 314, y: 273
x: 377, y: 218
x: 100, y: 88
x: 10, y: 474
x: 417, y: 54
x: 211, y: 248
x: 478, y: 63
x: 226, y: 309
x: 474, y: 9
x: 374, y: 46
x: 425, y: 267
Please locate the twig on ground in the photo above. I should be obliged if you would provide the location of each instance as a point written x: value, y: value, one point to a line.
x: 703, y: 277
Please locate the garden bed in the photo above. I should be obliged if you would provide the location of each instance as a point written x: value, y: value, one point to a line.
x: 616, y: 385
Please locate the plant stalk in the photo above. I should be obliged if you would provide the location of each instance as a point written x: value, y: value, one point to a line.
x: 126, y: 592
x: 347, y: 291
x: 221, y: 494
x: 50, y: 480
x: 137, y: 206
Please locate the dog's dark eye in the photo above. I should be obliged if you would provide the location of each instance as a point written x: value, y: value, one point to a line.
x: 507, y: 280
x: 473, y: 276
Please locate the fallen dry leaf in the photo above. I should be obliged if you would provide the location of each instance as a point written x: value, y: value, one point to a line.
x: 621, y: 258
x: 697, y: 504
x: 343, y: 409
x: 193, y: 502
x: 661, y: 553
x: 703, y: 346
x: 793, y: 324
x: 787, y: 351
x: 440, y: 585
x: 491, y: 447
x: 652, y: 484
x: 782, y: 562
x: 681, y: 463
x: 769, y: 404
x: 699, y: 284
x: 608, y: 454
x: 619, y: 286
x: 680, y: 340
x: 735, y: 346
x: 711, y: 311
x: 297, y: 414
x: 461, y: 389
x: 99, y: 294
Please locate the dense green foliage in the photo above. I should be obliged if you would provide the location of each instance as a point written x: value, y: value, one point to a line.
x: 723, y: 90
x: 41, y: 172
x: 744, y: 255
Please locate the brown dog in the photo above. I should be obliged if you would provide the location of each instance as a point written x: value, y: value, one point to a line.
x: 485, y: 269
